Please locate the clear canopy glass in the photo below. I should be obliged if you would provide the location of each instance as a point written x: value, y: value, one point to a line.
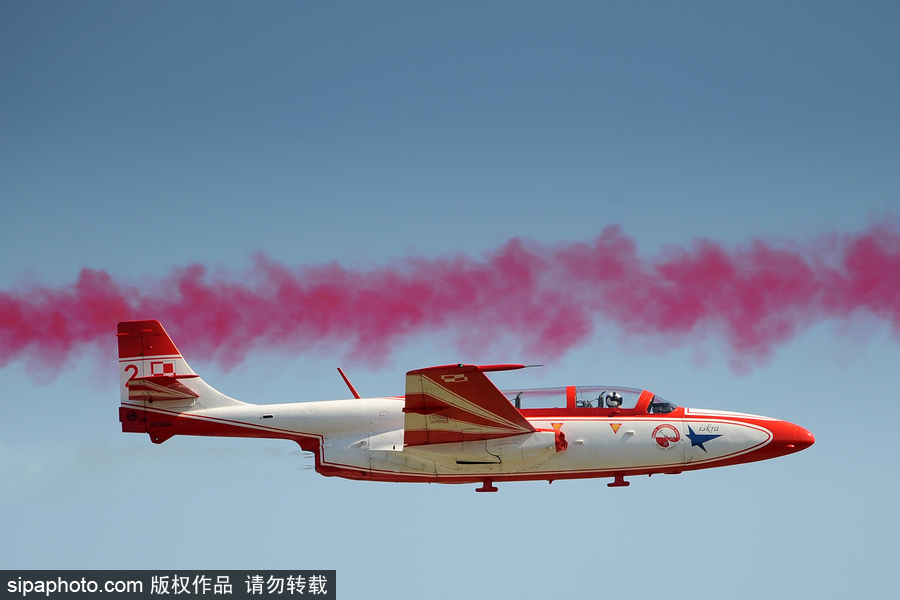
x: 596, y: 396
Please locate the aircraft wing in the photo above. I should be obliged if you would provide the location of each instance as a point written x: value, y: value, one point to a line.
x: 458, y: 403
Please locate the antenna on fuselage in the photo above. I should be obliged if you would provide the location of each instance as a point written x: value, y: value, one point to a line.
x: 349, y: 385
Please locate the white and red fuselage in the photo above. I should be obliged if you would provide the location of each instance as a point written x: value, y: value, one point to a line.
x: 451, y: 426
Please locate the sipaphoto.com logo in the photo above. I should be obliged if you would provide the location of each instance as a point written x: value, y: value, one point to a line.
x: 63, y: 587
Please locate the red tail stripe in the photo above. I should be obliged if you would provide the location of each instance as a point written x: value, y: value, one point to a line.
x: 144, y: 338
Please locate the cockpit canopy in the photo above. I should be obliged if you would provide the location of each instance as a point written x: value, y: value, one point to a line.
x: 586, y: 397
x: 659, y: 406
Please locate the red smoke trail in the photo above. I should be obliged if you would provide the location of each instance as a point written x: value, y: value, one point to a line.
x: 545, y: 298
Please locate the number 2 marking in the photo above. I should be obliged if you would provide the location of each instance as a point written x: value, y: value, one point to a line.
x: 134, y: 374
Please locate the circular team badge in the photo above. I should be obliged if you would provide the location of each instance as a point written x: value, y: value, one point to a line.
x: 666, y: 437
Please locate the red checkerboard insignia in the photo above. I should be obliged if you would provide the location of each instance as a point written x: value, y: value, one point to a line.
x: 164, y: 368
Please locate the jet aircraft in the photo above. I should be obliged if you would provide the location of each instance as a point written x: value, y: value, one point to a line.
x: 452, y: 425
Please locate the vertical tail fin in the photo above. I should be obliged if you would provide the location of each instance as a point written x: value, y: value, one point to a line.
x: 155, y: 379
x: 149, y: 363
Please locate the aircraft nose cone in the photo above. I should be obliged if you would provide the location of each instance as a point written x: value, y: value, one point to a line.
x: 805, y: 438
x: 799, y: 439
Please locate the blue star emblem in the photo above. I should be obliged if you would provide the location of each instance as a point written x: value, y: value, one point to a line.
x: 698, y: 439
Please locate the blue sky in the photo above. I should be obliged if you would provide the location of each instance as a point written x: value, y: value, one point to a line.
x: 141, y: 137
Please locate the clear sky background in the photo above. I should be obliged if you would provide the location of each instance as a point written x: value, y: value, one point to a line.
x: 141, y: 137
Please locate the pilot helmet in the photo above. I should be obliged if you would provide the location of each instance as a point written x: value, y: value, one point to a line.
x: 614, y: 400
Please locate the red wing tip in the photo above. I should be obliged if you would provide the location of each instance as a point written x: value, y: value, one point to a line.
x: 464, y: 367
x: 508, y: 367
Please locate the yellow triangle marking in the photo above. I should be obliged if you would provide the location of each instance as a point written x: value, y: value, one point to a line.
x: 615, y: 427
x: 556, y: 426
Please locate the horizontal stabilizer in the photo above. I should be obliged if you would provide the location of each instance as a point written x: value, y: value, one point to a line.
x: 158, y: 388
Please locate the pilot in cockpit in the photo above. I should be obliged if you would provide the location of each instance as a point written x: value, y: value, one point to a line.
x: 614, y: 400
